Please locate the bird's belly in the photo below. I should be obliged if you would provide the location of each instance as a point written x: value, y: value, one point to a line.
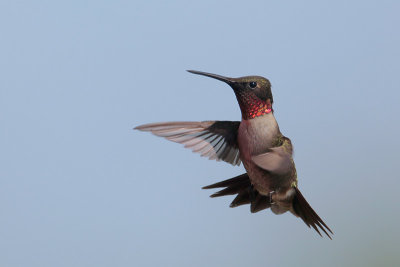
x: 255, y: 137
x: 260, y: 179
x: 265, y: 182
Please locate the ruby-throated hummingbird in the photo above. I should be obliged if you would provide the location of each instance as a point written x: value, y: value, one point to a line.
x: 270, y: 180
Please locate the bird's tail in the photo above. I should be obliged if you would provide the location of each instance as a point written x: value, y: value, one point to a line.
x: 308, y: 215
x: 246, y: 194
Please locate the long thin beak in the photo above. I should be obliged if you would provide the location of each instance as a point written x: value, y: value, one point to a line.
x: 228, y: 80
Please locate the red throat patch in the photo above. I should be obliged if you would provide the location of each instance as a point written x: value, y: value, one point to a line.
x: 255, y: 107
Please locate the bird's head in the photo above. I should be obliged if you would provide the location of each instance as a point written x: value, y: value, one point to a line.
x: 252, y: 92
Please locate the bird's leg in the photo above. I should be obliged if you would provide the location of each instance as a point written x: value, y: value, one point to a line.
x: 270, y: 197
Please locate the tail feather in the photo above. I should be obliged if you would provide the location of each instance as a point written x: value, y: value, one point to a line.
x: 231, y: 190
x: 260, y: 203
x: 246, y: 194
x: 308, y: 215
x: 242, y: 198
x: 243, y: 178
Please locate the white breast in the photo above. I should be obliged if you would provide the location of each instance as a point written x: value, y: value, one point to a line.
x: 256, y: 135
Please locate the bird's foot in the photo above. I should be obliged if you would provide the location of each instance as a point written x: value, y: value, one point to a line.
x: 270, y: 197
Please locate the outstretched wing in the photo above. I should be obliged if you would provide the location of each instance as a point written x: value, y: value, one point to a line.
x: 213, y: 139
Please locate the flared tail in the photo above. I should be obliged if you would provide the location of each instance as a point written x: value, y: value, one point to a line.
x: 246, y: 194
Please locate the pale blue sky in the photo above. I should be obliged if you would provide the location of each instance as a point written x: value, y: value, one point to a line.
x: 79, y: 187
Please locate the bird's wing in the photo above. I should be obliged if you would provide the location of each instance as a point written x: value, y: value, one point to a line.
x: 277, y: 160
x: 213, y: 139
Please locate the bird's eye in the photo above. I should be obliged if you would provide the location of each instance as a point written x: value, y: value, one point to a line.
x: 253, y: 84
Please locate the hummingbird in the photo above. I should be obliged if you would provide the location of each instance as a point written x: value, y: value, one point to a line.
x: 270, y: 180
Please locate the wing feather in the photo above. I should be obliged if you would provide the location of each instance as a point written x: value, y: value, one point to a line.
x: 277, y: 160
x: 213, y: 139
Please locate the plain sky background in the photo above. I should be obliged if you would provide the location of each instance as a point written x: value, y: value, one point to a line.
x: 79, y: 187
